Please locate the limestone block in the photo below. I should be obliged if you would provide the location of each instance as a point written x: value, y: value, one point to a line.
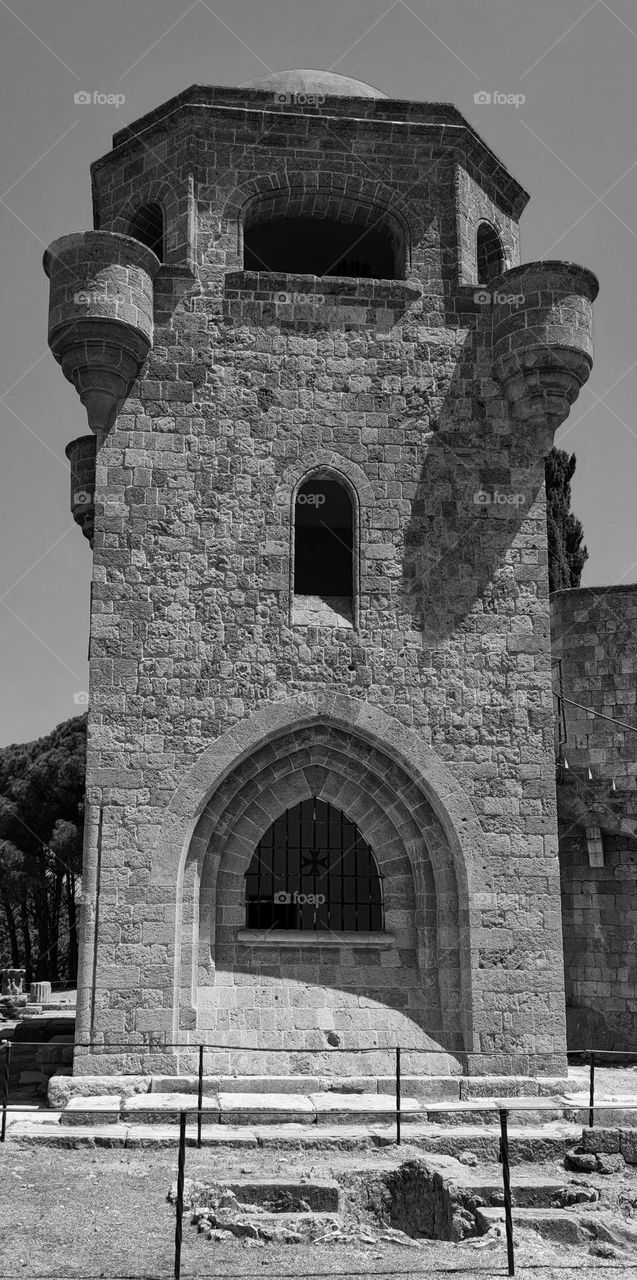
x: 163, y: 1108
x: 98, y: 1109
x: 62, y: 1088
x: 265, y: 1108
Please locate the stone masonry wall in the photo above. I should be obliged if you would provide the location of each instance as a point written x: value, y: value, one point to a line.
x: 387, y: 384
x: 595, y: 636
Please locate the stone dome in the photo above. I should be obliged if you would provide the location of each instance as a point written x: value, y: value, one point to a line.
x: 323, y: 83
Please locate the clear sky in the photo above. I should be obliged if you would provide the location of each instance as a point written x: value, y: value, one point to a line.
x: 571, y: 143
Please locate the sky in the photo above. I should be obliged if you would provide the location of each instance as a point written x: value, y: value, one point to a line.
x: 570, y: 140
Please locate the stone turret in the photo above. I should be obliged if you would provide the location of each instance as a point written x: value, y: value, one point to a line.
x: 543, y: 340
x: 81, y: 455
x: 100, y: 316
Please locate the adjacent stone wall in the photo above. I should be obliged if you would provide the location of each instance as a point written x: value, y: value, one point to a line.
x: 595, y: 637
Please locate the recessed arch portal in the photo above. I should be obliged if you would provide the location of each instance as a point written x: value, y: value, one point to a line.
x: 418, y: 985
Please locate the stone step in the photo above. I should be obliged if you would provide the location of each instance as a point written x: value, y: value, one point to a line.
x: 317, y: 1108
x: 528, y: 1191
x: 165, y: 1108
x: 322, y: 1196
x: 291, y: 1228
x: 431, y: 1089
x: 561, y: 1225
x: 534, y: 1145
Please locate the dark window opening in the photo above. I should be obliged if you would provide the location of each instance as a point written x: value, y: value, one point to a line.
x: 313, y: 870
x: 490, y: 254
x: 148, y: 227
x: 319, y: 247
x: 323, y: 539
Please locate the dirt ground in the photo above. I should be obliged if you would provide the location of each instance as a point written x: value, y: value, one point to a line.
x: 83, y: 1214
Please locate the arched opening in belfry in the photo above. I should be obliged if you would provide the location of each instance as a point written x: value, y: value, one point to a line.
x: 323, y: 539
x: 312, y: 870
x: 320, y: 247
x: 489, y: 253
x: 147, y: 226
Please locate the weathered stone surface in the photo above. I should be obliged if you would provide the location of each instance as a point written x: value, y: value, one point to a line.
x: 553, y: 1224
x: 581, y: 1161
x: 62, y: 1088
x: 367, y: 1108
x: 607, y: 1163
x: 270, y: 1108
x: 599, y: 1139
x: 97, y: 1110
x: 159, y: 1108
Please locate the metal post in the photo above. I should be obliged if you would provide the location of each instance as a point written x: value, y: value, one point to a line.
x: 200, y: 1096
x: 5, y: 1088
x: 591, y: 1093
x: 397, y: 1095
x: 508, y: 1219
x: 179, y: 1219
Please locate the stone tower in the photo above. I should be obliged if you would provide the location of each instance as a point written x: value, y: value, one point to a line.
x: 320, y: 387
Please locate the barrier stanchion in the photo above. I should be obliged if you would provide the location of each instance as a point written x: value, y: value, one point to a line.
x: 200, y: 1096
x: 506, y: 1181
x: 397, y: 1095
x: 179, y: 1218
x: 5, y: 1088
x: 591, y: 1092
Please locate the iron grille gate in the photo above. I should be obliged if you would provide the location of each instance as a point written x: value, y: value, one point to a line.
x: 313, y: 870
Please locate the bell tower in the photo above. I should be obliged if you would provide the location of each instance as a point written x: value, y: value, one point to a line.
x: 320, y: 388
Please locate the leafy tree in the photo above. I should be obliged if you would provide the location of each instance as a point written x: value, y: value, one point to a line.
x: 567, y: 554
x: 41, y: 826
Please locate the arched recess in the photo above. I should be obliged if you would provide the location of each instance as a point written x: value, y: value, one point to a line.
x: 178, y: 215
x: 329, y: 462
x: 324, y: 196
x: 489, y: 253
x: 399, y: 793
x: 310, y: 483
x: 148, y: 227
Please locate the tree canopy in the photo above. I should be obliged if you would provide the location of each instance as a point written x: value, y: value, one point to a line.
x: 41, y: 830
x: 567, y: 554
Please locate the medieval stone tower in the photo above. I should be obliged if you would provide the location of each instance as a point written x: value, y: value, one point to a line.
x: 320, y: 387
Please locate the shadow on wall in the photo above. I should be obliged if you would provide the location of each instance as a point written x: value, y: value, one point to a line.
x: 590, y: 1029
x: 481, y: 476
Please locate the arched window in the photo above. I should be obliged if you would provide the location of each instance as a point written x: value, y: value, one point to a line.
x: 323, y: 539
x: 148, y: 227
x: 320, y: 247
x: 490, y: 254
x: 313, y: 870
